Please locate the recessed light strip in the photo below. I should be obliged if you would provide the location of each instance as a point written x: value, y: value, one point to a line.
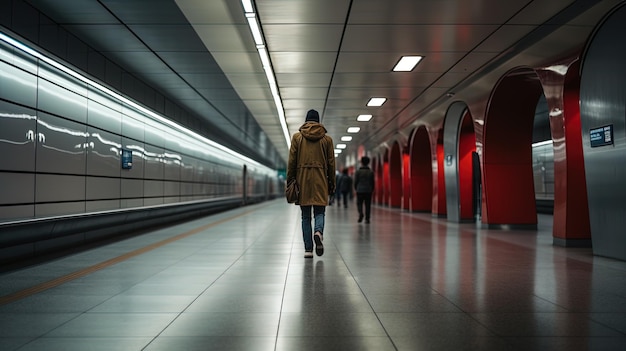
x: 257, y: 34
x: 376, y: 101
x: 407, y: 63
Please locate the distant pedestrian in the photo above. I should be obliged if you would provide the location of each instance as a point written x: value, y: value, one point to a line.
x: 345, y: 186
x: 312, y: 163
x: 364, y: 186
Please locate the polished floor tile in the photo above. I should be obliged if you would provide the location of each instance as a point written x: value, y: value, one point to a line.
x: 406, y: 281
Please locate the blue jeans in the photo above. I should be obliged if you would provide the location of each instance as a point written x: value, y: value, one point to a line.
x: 307, y: 232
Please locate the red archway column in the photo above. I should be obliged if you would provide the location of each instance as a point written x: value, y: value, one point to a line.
x: 380, y: 187
x: 385, y: 185
x: 395, y: 176
x: 439, y: 182
x: 421, y: 172
x: 508, y: 184
x: 406, y: 180
x: 571, y: 213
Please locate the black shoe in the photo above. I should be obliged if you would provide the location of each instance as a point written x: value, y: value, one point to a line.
x: 319, y: 247
x: 360, y: 219
x: 367, y: 221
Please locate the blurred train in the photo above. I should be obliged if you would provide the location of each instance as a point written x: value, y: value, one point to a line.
x: 80, y: 162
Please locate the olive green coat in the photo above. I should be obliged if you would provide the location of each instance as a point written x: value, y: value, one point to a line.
x: 312, y: 163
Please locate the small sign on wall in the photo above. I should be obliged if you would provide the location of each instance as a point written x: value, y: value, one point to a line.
x: 601, y: 136
x: 127, y: 159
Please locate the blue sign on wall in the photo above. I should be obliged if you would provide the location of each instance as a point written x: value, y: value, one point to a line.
x: 127, y: 159
x: 601, y: 136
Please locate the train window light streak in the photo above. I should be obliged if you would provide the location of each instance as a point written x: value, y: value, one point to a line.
x: 147, y: 116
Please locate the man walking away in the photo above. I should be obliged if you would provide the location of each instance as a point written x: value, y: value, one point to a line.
x: 312, y: 164
x: 364, y: 186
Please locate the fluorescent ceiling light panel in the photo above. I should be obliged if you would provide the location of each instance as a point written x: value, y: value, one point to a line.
x: 376, y: 101
x: 341, y: 146
x: 354, y: 129
x: 337, y: 151
x: 247, y: 5
x: 364, y: 118
x: 254, y: 27
x: 407, y: 63
x: 346, y: 138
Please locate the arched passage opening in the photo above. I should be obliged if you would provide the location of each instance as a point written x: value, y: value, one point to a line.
x: 395, y: 176
x: 508, y: 185
x: 421, y: 172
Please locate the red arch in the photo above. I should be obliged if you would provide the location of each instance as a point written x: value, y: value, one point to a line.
x: 385, y: 179
x: 421, y: 172
x: 508, y: 185
x: 395, y: 176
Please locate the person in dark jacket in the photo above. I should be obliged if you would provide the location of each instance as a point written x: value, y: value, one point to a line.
x: 312, y: 164
x: 364, y: 187
x: 345, y: 186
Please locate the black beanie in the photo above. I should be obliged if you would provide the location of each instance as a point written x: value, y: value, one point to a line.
x: 312, y: 116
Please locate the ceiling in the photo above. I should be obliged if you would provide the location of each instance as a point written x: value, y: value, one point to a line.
x: 328, y: 55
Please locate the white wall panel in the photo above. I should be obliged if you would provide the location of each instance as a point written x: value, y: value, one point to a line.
x: 130, y: 203
x: 17, y: 138
x: 171, y: 188
x: 99, y: 188
x: 103, y: 156
x: 132, y: 127
x: 153, y: 162
x: 105, y: 205
x: 172, y: 165
x: 103, y: 117
x: 59, y: 188
x: 16, y: 188
x: 61, y: 145
x: 17, y: 86
x: 58, y: 209
x: 62, y: 79
x: 17, y: 212
x: 18, y: 58
x: 131, y: 188
x: 59, y: 101
x: 153, y: 188
x: 153, y: 201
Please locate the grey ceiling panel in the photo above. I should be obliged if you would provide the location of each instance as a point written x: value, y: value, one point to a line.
x: 225, y: 37
x: 434, y: 11
x: 67, y: 11
x: 415, y: 39
x: 190, y: 62
x: 303, y: 11
x: 139, y: 62
x: 303, y: 37
x: 146, y: 11
x: 108, y: 37
x: 303, y: 62
x: 169, y: 37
